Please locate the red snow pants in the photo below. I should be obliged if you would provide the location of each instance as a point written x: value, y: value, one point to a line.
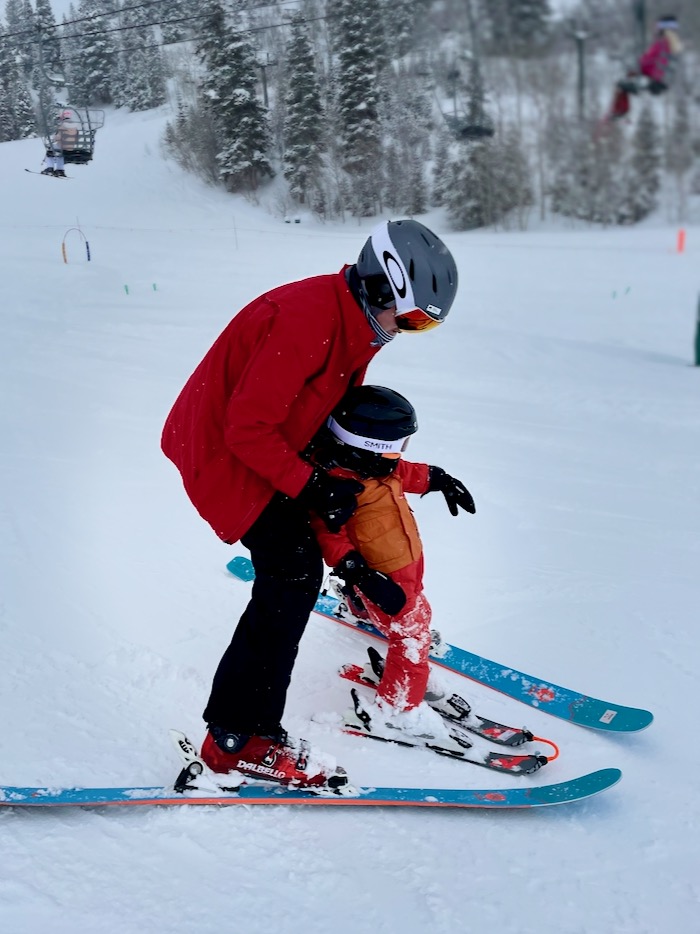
x: 406, y: 668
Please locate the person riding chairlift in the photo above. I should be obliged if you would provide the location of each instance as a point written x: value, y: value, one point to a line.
x: 657, y: 67
x: 64, y: 140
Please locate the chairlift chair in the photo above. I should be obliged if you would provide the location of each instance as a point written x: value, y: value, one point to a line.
x: 73, y: 133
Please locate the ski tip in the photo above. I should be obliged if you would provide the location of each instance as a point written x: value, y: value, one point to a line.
x: 241, y: 568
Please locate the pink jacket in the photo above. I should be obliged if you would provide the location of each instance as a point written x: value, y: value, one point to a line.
x: 655, y: 63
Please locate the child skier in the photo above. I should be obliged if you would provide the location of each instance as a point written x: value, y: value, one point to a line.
x: 378, y: 552
x: 657, y: 67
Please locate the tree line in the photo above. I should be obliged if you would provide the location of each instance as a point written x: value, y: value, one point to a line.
x: 380, y: 106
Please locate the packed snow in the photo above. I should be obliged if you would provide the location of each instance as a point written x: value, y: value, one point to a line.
x: 561, y: 390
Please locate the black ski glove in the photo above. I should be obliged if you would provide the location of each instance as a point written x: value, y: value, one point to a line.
x: 377, y: 587
x: 333, y: 498
x: 455, y: 492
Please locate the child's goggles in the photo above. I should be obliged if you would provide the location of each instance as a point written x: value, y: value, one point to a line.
x: 390, y: 449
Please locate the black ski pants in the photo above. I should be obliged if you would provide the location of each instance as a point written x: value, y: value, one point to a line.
x: 250, y: 685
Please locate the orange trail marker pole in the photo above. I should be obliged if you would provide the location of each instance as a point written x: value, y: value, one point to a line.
x: 681, y: 241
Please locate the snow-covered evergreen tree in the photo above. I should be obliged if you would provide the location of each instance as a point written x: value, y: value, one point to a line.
x: 401, y: 20
x: 17, y: 118
x: 416, y: 183
x: 645, y: 164
x: 94, y: 56
x: 441, y: 168
x: 173, y: 16
x: 49, y: 38
x: 140, y: 83
x: 489, y: 179
x: 304, y: 125
x: 517, y: 26
x: 228, y: 91
x: 590, y: 175
x: 19, y: 17
x: 23, y: 110
x: 357, y: 30
x: 477, y: 118
x: 679, y: 152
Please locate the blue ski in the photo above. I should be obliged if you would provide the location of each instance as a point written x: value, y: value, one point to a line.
x: 551, y: 698
x: 534, y: 796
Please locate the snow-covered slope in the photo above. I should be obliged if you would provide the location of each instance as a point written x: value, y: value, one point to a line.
x: 560, y: 390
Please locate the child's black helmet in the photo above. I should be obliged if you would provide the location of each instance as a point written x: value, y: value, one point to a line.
x: 371, y: 426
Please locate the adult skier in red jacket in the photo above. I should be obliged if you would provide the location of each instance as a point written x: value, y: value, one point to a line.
x: 236, y: 433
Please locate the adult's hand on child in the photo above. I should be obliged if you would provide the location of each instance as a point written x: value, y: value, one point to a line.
x: 334, y: 499
x: 455, y: 492
x: 376, y: 586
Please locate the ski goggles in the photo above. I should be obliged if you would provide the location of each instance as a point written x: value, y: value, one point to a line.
x: 389, y: 449
x: 416, y: 320
x: 409, y: 318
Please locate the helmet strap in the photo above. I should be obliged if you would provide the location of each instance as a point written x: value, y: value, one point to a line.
x: 360, y: 295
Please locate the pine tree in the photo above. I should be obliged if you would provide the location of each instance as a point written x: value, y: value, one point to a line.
x: 6, y: 115
x: 228, y: 90
x: 394, y: 192
x: 679, y: 152
x: 401, y: 20
x: 517, y: 26
x: 476, y: 117
x: 417, y: 200
x: 141, y: 82
x: 488, y: 180
x: 20, y: 22
x: 644, y: 178
x: 168, y: 13
x: 304, y: 123
x: 17, y: 118
x: 23, y: 109
x: 49, y: 37
x: 441, y: 168
x: 356, y: 32
x: 590, y: 176
x: 94, y: 60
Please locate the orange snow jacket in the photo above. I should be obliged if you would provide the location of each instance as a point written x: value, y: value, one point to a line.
x: 382, y: 528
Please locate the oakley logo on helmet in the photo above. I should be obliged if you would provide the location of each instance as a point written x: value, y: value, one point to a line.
x: 393, y: 267
x: 395, y: 273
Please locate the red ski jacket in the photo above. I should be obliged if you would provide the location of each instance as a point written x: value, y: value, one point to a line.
x: 260, y: 394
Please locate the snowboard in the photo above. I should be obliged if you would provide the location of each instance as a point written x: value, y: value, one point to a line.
x: 575, y: 789
x: 561, y: 702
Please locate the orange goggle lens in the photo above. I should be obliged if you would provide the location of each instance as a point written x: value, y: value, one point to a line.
x: 415, y: 320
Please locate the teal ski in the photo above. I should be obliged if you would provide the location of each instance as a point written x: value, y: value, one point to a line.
x: 558, y: 701
x: 576, y: 789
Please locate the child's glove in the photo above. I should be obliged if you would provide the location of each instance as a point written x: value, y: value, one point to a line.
x: 455, y: 492
x: 333, y: 498
x: 377, y: 587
